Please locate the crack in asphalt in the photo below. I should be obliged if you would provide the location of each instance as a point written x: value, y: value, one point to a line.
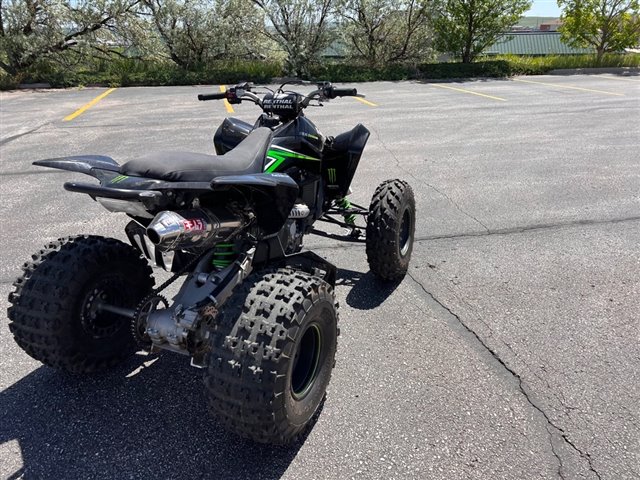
x: 502, y: 231
x: 550, y: 426
x: 440, y: 192
x: 464, y: 212
x: 4, y: 141
x: 474, y: 309
x: 529, y: 228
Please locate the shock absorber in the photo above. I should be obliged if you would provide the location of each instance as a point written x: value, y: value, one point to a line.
x: 349, y: 218
x: 223, y: 255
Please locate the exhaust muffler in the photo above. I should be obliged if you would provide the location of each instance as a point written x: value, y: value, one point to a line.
x: 170, y: 230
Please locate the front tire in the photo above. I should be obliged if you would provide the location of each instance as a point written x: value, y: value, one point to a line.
x: 54, y: 315
x: 272, y: 352
x: 390, y: 229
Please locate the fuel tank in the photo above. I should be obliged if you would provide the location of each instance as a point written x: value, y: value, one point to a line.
x: 295, y: 143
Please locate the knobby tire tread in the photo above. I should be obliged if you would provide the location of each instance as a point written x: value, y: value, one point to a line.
x: 44, y: 301
x: 251, y: 348
x: 385, y: 215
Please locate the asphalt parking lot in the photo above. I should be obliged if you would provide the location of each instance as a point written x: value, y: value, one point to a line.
x: 510, y: 351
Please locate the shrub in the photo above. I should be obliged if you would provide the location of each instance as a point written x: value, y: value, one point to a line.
x: 134, y: 72
x: 343, y: 72
x: 544, y: 64
x: 130, y: 72
x: 490, y: 68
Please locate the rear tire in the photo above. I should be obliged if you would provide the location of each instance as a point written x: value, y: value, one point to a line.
x: 53, y: 313
x: 272, y: 352
x: 390, y: 229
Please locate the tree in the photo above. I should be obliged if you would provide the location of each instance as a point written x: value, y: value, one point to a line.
x: 384, y: 31
x: 194, y: 32
x: 300, y: 28
x: 465, y: 28
x: 31, y: 30
x: 606, y: 25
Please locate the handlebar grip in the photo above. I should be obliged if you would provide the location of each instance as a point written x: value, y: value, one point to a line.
x: 212, y: 96
x: 345, y: 92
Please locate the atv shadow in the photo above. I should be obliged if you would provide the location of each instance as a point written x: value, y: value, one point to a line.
x: 367, y: 291
x: 152, y: 424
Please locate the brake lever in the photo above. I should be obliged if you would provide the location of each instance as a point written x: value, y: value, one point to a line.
x: 244, y: 86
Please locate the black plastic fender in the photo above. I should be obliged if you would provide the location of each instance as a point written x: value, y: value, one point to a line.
x: 98, y: 166
x: 229, y: 134
x: 314, y: 264
x: 274, y: 195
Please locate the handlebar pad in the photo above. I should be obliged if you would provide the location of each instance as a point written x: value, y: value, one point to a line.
x: 345, y: 92
x: 212, y: 96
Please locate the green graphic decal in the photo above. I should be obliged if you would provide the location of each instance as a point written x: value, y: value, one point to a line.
x: 277, y: 155
x: 119, y: 178
x: 332, y: 175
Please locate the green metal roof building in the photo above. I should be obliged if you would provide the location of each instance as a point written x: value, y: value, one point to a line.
x: 534, y: 43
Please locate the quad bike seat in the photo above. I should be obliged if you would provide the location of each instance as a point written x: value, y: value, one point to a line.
x: 247, y: 158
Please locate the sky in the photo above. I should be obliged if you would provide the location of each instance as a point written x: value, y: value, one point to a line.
x: 544, y: 8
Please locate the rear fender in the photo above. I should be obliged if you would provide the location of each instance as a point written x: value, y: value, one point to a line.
x: 313, y: 264
x: 115, y: 192
x: 98, y: 166
x: 274, y: 195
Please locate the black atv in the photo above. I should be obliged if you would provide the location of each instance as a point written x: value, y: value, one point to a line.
x: 255, y: 311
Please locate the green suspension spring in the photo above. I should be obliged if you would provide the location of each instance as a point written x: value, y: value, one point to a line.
x: 223, y: 255
x: 349, y: 218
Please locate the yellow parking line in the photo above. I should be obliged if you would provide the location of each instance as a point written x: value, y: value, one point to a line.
x: 82, y: 109
x: 467, y: 91
x: 558, y: 85
x: 227, y: 105
x: 366, y: 102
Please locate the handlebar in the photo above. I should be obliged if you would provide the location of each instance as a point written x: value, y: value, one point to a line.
x: 212, y: 96
x: 342, y: 92
x: 242, y: 91
x: 328, y: 91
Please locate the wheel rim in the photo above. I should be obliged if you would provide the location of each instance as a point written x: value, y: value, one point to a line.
x: 100, y: 324
x: 405, y: 233
x: 306, y: 360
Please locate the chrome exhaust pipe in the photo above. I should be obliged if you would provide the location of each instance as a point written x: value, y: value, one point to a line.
x: 189, y: 228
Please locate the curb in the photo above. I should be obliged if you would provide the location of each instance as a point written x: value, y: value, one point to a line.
x: 582, y: 71
x: 33, y: 86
